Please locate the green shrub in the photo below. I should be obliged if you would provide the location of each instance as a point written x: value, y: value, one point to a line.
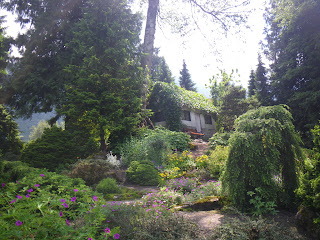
x: 153, y: 145
x: 12, y: 171
x: 108, y: 185
x: 216, y: 161
x: 90, y: 170
x: 46, y: 205
x: 143, y: 173
x: 219, y: 139
x: 53, y: 149
x: 264, y: 145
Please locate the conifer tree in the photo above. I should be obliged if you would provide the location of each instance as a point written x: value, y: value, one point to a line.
x: 261, y: 83
x: 185, y: 79
x: 251, y: 86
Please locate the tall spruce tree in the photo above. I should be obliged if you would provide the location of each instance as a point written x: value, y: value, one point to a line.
x: 160, y: 70
x: 261, y: 83
x: 185, y: 79
x: 83, y: 63
x: 293, y: 48
x: 251, y: 85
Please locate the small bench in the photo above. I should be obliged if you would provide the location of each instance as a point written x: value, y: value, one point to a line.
x: 193, y: 133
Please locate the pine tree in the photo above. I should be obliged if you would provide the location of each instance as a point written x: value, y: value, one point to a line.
x: 261, y: 83
x: 185, y: 79
x: 251, y: 86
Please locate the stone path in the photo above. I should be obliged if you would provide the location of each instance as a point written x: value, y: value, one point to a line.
x: 201, y: 148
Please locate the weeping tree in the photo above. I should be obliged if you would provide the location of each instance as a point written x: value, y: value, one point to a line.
x: 263, y: 153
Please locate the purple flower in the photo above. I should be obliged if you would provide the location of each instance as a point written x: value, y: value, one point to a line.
x: 95, y: 198
x: 65, y: 205
x: 62, y: 200
x: 148, y: 210
x: 75, y: 190
x: 17, y: 182
x: 107, y: 230
x: 28, y: 195
x: 89, y: 238
x: 60, y: 214
x: 18, y: 196
x: 116, y: 236
x: 37, y: 185
x: 42, y: 175
x: 73, y: 199
x: 13, y: 201
x: 3, y: 184
x: 30, y: 190
x: 67, y: 222
x: 18, y: 223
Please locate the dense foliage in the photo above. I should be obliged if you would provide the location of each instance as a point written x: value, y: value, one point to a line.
x: 292, y: 46
x: 55, y: 148
x: 9, y: 134
x: 80, y: 65
x: 153, y: 145
x: 143, y: 173
x: 263, y: 149
x: 309, y: 189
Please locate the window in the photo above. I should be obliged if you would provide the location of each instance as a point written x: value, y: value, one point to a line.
x: 208, y: 119
x: 186, y: 116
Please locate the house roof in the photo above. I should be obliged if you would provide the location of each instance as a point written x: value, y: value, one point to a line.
x: 189, y: 99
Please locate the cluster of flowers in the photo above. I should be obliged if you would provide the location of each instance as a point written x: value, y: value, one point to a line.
x: 63, y: 203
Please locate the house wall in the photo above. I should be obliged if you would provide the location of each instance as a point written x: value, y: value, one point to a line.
x: 197, y: 123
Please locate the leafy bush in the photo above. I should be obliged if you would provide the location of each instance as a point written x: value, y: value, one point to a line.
x: 90, y: 170
x: 12, y: 171
x: 263, y: 145
x: 153, y: 145
x: 143, y: 173
x: 216, y: 161
x: 108, y: 185
x: 46, y: 205
x: 309, y: 189
x: 54, y: 149
x: 219, y: 139
x: 164, y: 197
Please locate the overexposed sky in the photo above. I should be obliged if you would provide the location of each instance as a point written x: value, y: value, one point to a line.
x: 204, y: 56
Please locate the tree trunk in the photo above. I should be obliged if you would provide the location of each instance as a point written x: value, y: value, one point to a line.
x: 148, y: 45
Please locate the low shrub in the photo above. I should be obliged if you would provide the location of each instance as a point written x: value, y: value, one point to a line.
x: 53, y: 149
x: 108, y: 185
x: 153, y: 145
x: 90, y: 170
x: 143, y: 173
x: 46, y: 205
x: 164, y: 197
x: 12, y: 171
x: 219, y: 139
x: 216, y: 161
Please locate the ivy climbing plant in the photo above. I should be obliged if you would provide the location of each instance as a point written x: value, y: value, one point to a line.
x: 169, y: 99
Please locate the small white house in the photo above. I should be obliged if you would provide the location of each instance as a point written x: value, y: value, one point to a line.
x: 198, y: 112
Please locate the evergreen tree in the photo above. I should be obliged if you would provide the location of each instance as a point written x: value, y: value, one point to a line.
x: 293, y: 48
x: 261, y: 83
x: 252, y: 85
x: 83, y: 63
x: 160, y: 70
x: 185, y: 79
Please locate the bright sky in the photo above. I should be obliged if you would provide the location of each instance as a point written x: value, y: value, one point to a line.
x: 237, y: 51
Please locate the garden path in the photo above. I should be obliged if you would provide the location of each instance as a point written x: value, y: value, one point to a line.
x: 201, y: 148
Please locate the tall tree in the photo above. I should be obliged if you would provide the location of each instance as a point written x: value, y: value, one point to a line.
x: 89, y: 69
x: 251, y: 85
x: 261, y: 83
x: 224, y: 12
x: 160, y: 70
x: 185, y: 79
x: 293, y: 37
